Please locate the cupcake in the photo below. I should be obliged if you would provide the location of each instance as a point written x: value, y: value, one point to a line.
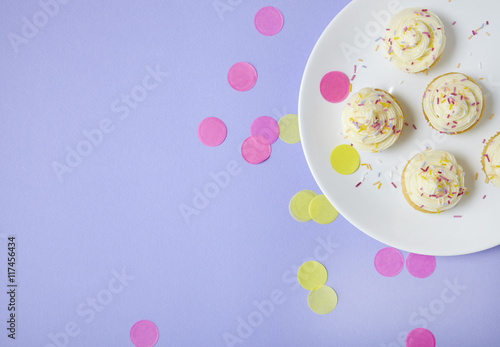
x: 433, y: 182
x: 453, y: 103
x: 414, y: 40
x: 491, y: 160
x: 372, y: 120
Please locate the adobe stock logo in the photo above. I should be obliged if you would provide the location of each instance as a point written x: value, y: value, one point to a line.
x: 93, y: 138
x: 201, y: 198
x: 222, y: 6
x: 262, y: 310
x: 420, y: 318
x: 90, y: 308
x: 31, y: 27
x: 371, y: 31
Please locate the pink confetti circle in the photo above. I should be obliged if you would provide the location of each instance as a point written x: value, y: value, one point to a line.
x: 144, y: 333
x: 268, y: 21
x: 389, y: 262
x: 420, y: 337
x: 266, y: 127
x: 212, y: 131
x: 242, y: 76
x: 256, y: 149
x: 334, y: 86
x: 420, y: 266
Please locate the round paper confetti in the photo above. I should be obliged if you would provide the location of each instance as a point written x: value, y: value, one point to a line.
x: 268, y: 21
x: 242, y: 76
x: 389, y: 262
x: 299, y: 205
x: 420, y: 337
x: 420, y: 266
x: 345, y: 159
x: 322, y: 211
x: 266, y: 127
x: 322, y: 300
x: 289, y: 128
x: 144, y: 333
x: 255, y: 149
x: 334, y: 86
x: 212, y: 131
x: 312, y: 275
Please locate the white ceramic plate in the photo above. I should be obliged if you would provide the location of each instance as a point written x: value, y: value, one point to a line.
x: 383, y: 213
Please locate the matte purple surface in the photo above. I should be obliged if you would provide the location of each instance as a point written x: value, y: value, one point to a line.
x: 121, y: 214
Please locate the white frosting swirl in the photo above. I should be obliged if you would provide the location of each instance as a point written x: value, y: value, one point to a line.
x: 414, y: 40
x: 491, y: 160
x: 434, y: 181
x: 372, y: 120
x: 453, y: 103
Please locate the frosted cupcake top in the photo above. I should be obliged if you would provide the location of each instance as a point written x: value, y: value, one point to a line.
x: 491, y: 160
x: 414, y: 40
x: 453, y: 103
x: 434, y: 181
x: 372, y: 120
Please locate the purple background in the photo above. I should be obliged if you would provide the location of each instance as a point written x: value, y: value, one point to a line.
x: 119, y: 209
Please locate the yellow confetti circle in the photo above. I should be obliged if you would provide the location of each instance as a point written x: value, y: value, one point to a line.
x: 312, y: 275
x: 322, y: 211
x: 322, y: 300
x: 345, y: 159
x: 289, y: 128
x: 299, y: 205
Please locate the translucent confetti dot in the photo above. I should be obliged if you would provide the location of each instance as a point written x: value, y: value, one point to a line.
x: 312, y: 275
x: 420, y: 337
x: 212, y: 131
x: 242, y: 76
x: 322, y: 300
x: 345, y: 159
x: 420, y: 266
x: 144, y: 333
x: 322, y: 211
x: 334, y: 86
x: 289, y: 128
x: 299, y: 205
x: 266, y: 127
x: 255, y: 149
x: 268, y: 21
x: 389, y: 262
